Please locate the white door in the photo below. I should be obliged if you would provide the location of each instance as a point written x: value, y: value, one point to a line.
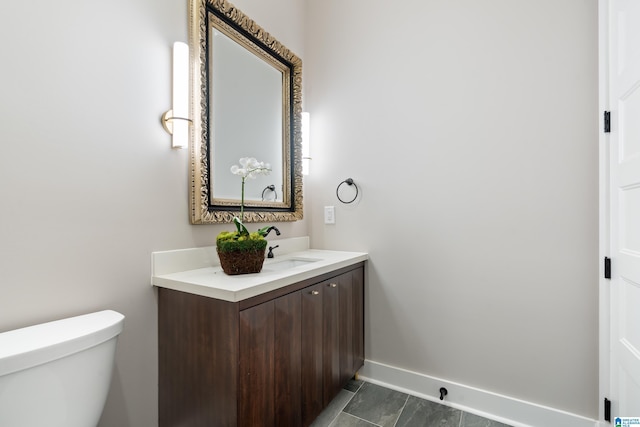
x: 624, y: 193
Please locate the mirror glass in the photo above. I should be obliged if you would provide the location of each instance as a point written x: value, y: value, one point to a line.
x: 246, y: 102
x: 246, y: 106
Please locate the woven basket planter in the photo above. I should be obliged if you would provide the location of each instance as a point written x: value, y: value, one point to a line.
x: 242, y: 262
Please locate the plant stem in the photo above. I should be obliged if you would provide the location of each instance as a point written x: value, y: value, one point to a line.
x: 242, y: 202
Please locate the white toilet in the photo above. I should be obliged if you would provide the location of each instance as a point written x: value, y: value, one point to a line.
x: 57, y: 374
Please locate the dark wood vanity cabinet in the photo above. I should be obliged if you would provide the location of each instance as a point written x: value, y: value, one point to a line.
x: 273, y: 360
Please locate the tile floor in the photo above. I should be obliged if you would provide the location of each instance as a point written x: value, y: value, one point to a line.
x: 363, y: 404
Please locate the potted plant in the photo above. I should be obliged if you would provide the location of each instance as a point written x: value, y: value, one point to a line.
x: 241, y: 252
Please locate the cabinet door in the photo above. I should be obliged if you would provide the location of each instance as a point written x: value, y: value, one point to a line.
x: 197, y: 360
x: 288, y: 370
x: 357, y: 281
x: 312, y: 398
x: 346, y: 350
x: 257, y: 326
x: 343, y: 331
x: 331, y: 339
x: 270, y: 357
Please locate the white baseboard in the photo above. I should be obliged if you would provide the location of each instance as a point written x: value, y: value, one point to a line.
x: 514, y: 412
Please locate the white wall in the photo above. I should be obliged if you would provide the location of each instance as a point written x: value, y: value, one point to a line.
x: 88, y: 181
x: 471, y: 130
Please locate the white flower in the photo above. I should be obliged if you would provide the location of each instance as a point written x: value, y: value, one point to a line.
x: 250, y: 167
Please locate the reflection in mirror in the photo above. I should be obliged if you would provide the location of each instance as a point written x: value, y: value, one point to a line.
x: 246, y: 103
x: 247, y: 109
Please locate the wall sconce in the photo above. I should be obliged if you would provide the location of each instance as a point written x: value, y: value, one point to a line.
x: 305, y: 143
x: 176, y: 121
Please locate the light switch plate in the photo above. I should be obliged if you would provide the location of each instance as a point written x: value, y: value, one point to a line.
x: 329, y: 215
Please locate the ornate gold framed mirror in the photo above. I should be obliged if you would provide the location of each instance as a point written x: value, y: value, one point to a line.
x: 246, y: 102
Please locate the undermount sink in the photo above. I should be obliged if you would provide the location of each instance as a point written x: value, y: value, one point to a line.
x: 288, y: 264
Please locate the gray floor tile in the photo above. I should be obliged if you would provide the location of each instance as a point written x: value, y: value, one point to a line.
x: 471, y: 420
x: 423, y: 413
x: 377, y: 405
x: 333, y: 410
x: 346, y: 420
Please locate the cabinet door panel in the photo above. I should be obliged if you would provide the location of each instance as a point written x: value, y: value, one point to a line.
x: 346, y: 328
x: 197, y: 360
x: 312, y: 403
x: 331, y: 339
x: 256, y: 407
x: 358, y: 318
x: 288, y: 312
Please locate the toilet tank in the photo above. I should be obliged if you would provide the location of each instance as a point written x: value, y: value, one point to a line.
x: 57, y: 374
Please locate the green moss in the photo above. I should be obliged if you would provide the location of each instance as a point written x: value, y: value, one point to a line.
x: 228, y: 241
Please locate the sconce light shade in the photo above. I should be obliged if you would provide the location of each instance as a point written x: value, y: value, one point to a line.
x: 305, y: 128
x: 176, y: 121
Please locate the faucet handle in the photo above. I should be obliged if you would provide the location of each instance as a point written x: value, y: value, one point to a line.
x: 271, y: 248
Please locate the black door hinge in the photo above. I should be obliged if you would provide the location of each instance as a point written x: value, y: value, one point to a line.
x: 607, y: 409
x: 607, y: 121
x: 607, y: 267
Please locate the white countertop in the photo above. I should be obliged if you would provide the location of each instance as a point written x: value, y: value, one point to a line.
x: 198, y: 270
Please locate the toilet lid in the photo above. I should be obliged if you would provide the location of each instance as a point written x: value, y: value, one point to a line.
x: 34, y: 345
